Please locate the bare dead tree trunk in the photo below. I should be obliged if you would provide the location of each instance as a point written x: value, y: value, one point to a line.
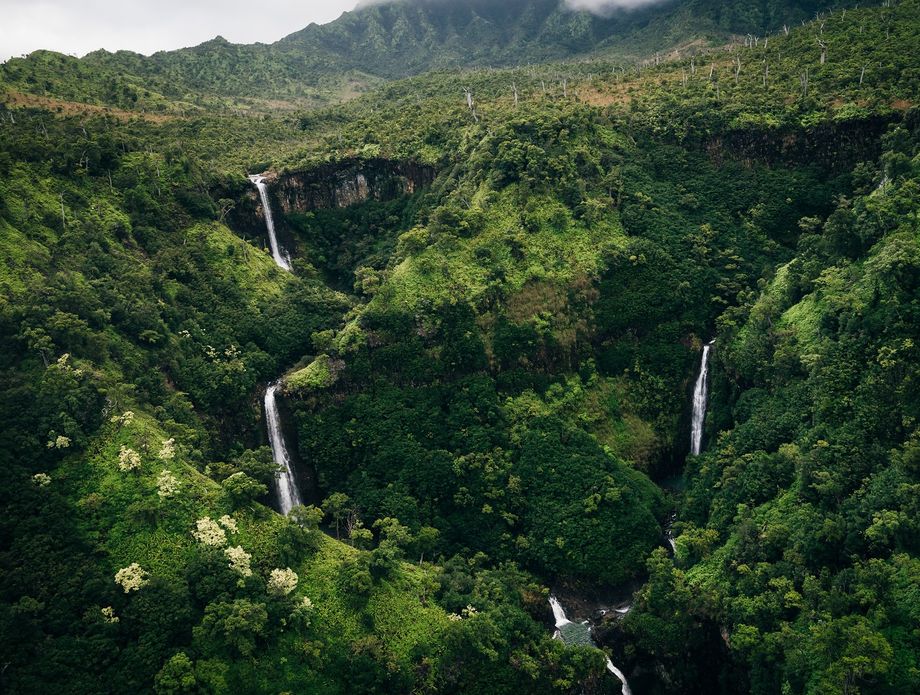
x: 565, y: 88
x: 712, y: 69
x: 692, y: 66
x: 862, y: 74
x: 823, y: 46
x: 514, y: 89
x: 737, y: 69
x: 766, y: 73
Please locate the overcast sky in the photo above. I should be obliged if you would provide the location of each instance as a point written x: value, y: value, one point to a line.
x: 147, y: 26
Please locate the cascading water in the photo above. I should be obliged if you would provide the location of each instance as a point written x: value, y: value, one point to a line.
x: 565, y: 635
x: 285, y: 482
x: 280, y: 257
x: 699, y: 402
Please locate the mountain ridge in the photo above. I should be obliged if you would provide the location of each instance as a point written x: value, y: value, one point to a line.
x: 383, y: 41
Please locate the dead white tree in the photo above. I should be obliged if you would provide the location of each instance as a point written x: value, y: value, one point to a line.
x: 803, y: 79
x: 823, y: 46
x: 471, y: 105
x: 737, y: 62
x: 862, y: 74
x: 514, y: 90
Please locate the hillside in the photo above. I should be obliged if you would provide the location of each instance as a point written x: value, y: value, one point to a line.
x: 487, y: 355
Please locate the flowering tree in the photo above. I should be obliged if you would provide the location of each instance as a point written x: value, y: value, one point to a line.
x: 41, y: 479
x: 208, y: 532
x: 128, y: 459
x: 131, y: 578
x: 228, y: 522
x: 108, y: 614
x: 239, y: 560
x: 125, y: 418
x: 282, y: 581
x: 59, y: 442
x: 167, y: 484
x: 167, y: 450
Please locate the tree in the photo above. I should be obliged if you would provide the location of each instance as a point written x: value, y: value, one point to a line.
x: 243, y: 490
x: 177, y: 676
x: 234, y: 626
x: 338, y: 505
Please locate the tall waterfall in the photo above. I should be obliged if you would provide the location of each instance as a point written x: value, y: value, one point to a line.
x: 280, y: 257
x: 561, y: 621
x: 285, y: 482
x: 699, y: 402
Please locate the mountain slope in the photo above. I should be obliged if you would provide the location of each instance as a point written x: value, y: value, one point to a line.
x: 331, y: 62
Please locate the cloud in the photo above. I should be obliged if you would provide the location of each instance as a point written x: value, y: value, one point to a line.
x: 603, y: 7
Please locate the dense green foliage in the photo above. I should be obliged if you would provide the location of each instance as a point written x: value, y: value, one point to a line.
x: 488, y: 345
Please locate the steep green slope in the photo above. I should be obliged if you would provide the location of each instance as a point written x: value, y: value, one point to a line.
x: 799, y: 527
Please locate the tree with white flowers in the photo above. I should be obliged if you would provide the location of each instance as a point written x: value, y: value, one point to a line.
x: 228, y: 522
x: 167, y: 484
x: 282, y: 581
x: 209, y: 532
x: 167, y: 450
x: 239, y: 560
x: 128, y: 459
x: 131, y: 578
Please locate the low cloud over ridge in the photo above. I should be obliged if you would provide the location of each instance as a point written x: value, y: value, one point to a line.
x: 606, y: 6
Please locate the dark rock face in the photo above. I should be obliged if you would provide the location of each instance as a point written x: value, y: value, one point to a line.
x: 833, y: 146
x: 341, y: 184
x: 333, y: 185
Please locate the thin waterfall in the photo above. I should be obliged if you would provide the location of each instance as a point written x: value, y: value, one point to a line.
x: 285, y: 482
x: 561, y: 621
x: 280, y: 257
x: 699, y: 402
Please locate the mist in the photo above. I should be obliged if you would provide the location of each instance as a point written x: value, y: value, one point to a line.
x: 603, y: 7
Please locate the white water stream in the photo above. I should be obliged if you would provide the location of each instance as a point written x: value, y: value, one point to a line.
x: 278, y: 254
x: 700, y: 393
x: 285, y: 481
x: 561, y: 621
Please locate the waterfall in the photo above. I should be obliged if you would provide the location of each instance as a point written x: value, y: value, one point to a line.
x: 619, y: 674
x: 285, y: 482
x: 699, y: 402
x: 562, y: 621
x: 280, y: 257
x: 558, y: 612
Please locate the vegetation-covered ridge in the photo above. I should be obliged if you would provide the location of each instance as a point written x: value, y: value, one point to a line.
x: 383, y: 41
x: 489, y: 340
